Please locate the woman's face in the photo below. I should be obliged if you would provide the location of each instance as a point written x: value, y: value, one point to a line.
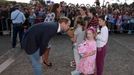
x: 59, y: 9
x: 90, y: 14
x: 82, y: 12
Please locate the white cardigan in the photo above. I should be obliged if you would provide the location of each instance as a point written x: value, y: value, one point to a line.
x: 102, y: 37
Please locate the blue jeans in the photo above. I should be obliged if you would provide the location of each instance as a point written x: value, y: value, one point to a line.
x: 35, y: 59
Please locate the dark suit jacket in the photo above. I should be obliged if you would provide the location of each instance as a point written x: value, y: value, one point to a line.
x: 38, y: 36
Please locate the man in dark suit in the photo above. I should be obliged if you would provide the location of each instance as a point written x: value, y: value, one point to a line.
x: 36, y: 39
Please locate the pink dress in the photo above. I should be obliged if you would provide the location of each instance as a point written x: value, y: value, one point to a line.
x: 87, y: 64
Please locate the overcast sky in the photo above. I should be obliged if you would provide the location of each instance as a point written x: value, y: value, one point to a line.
x: 91, y: 2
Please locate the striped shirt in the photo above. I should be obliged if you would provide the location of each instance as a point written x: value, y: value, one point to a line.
x: 94, y: 22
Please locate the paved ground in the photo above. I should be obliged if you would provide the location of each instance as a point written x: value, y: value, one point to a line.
x: 4, y: 44
x: 119, y: 59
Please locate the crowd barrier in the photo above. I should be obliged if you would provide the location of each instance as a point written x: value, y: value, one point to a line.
x: 6, y: 28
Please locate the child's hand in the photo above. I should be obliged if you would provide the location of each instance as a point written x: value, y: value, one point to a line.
x: 73, y: 40
x: 89, y: 54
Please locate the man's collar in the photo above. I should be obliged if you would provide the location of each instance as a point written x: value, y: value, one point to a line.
x: 59, y: 28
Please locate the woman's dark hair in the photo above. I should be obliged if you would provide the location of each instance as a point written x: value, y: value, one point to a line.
x: 102, y: 17
x: 54, y: 7
x: 93, y: 11
x: 54, y: 10
x: 81, y: 21
x: 49, y: 8
x: 84, y: 9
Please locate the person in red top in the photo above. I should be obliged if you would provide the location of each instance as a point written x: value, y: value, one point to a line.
x: 94, y: 19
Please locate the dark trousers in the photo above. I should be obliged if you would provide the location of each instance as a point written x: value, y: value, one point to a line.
x: 17, y: 29
x: 101, y: 52
x: 4, y: 25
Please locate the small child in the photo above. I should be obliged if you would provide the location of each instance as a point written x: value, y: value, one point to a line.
x: 79, y: 35
x: 87, y: 50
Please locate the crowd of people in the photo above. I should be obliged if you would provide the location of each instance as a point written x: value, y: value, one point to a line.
x: 119, y: 17
x: 87, y: 27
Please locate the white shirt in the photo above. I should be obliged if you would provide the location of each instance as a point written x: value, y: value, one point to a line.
x: 17, y: 17
x: 102, y: 37
x: 59, y: 29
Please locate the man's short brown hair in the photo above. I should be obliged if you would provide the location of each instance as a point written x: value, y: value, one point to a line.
x: 64, y: 19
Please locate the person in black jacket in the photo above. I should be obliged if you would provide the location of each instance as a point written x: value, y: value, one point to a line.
x: 36, y: 39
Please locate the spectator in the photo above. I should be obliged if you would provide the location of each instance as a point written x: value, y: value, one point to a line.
x: 18, y: 19
x: 94, y: 19
x: 32, y: 17
x: 52, y: 16
x: 101, y: 39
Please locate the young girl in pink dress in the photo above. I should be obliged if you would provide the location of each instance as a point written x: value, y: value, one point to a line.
x: 87, y: 50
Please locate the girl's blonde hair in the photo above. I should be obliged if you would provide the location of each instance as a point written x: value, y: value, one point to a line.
x: 92, y: 29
